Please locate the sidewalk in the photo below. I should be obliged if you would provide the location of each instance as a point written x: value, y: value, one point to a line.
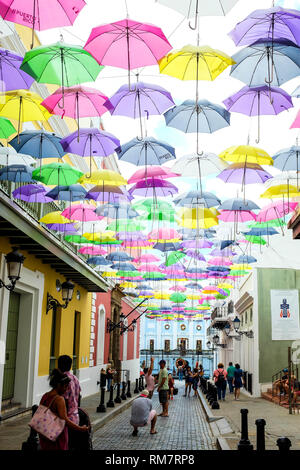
x: 15, y: 431
x: 279, y: 422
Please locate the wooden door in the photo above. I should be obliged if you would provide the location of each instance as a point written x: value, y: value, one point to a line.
x: 11, y: 347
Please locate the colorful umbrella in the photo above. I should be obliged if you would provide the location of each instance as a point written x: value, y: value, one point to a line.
x: 152, y: 172
x: 38, y: 144
x: 56, y: 174
x: 12, y: 78
x: 17, y: 174
x: 103, y: 177
x: 81, y: 212
x: 127, y: 44
x: 72, y: 193
x: 197, y: 198
x: 146, y: 151
x: 6, y: 128
x: 244, y: 173
x: 8, y: 156
x: 153, y: 187
x: 32, y: 193
x: 246, y: 153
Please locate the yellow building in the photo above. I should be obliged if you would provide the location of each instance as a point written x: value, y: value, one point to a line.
x: 32, y: 336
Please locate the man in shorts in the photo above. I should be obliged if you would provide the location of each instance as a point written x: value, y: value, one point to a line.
x: 163, y: 388
x: 142, y: 413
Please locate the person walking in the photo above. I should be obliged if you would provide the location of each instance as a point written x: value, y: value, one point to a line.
x: 149, y: 378
x: 55, y: 401
x: 230, y: 376
x: 188, y: 381
x: 142, y: 413
x: 220, y: 375
x: 109, y: 376
x: 71, y: 396
x: 237, y: 381
x: 171, y: 386
x: 196, y: 378
x: 163, y: 388
x: 180, y: 373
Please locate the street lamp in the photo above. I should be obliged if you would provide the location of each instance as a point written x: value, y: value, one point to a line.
x: 67, y: 289
x: 227, y: 329
x: 208, y: 344
x: 216, y: 340
x: 236, y: 324
x: 14, y: 261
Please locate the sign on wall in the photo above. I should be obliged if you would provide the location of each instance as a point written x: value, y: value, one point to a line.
x: 285, y: 314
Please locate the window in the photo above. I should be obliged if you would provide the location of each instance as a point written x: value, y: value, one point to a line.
x: 251, y: 315
x: 167, y: 327
x: 199, y: 345
x: 198, y: 327
x: 151, y: 345
x: 246, y: 317
x: 183, y: 327
x: 167, y: 345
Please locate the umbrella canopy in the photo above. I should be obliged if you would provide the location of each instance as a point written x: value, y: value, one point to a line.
x: 6, y: 128
x: 32, y: 193
x: 271, y: 24
x: 56, y: 174
x: 54, y: 218
x: 244, y: 259
x: 244, y: 173
x: 204, y: 117
x: 81, y: 212
x: 198, y: 218
x: 237, y: 216
x: 8, y: 156
x: 237, y: 204
x: 92, y: 250
x: 246, y: 153
x: 278, y: 61
x: 61, y: 64
x: 118, y: 256
x: 146, y: 151
x: 103, y: 177
x: 281, y: 190
x: 12, y: 78
x: 152, y: 172
x: 72, y: 193
x: 287, y: 159
x: 38, y: 144
x: 92, y: 143
x: 116, y: 211
x: 197, y: 198
x: 163, y: 234
x: 99, y: 261
x: 191, y: 8
x: 108, y: 193
x: 276, y: 210
x: 152, y: 187
x: 188, y: 165
x: 17, y: 174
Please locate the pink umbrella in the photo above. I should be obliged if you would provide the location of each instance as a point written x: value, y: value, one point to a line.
x: 127, y: 44
x: 152, y: 172
x: 92, y: 250
x: 41, y: 15
x: 236, y: 216
x: 164, y: 234
x: 135, y: 243
x: 178, y: 288
x: 220, y: 261
x: 147, y: 258
x: 146, y: 267
x: 296, y: 123
x: 81, y: 212
x: 276, y: 210
x: 79, y: 102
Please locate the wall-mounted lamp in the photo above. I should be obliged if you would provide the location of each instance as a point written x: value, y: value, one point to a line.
x: 67, y: 289
x: 14, y: 261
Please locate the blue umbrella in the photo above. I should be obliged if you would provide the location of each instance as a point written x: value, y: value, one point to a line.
x: 267, y: 62
x: 221, y: 269
x: 197, y: 198
x: 17, y: 174
x: 123, y: 266
x: 38, y: 144
x: 145, y: 287
x: 147, y: 151
x: 193, y: 285
x: 238, y: 205
x: 196, y: 271
x: 118, y: 256
x: 287, y: 159
x: 203, y: 116
x: 117, y: 211
x: 166, y: 246
x: 226, y: 243
x: 74, y: 192
x: 260, y: 232
x: 244, y: 259
x: 98, y: 261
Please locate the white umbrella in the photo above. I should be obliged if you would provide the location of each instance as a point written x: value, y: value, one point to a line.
x: 6, y: 28
x: 191, y: 8
x: 194, y: 165
x: 8, y: 156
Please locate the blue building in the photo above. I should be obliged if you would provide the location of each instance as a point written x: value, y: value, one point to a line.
x: 172, y: 340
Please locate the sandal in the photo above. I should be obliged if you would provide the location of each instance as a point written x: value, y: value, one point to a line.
x: 154, y: 432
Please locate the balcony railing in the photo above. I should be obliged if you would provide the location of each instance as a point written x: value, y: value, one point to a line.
x: 176, y: 352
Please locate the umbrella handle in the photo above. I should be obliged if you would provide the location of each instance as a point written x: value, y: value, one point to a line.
x: 196, y: 19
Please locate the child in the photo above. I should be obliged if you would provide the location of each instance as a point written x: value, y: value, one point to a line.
x: 171, y: 386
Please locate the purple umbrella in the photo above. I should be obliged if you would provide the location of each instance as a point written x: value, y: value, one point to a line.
x: 153, y: 187
x: 66, y: 228
x: 90, y: 143
x: 225, y: 253
x: 196, y: 244
x: 108, y: 194
x: 244, y: 173
x: 144, y: 100
x: 11, y: 76
x: 32, y: 193
x: 195, y: 254
x: 257, y: 101
x: 269, y: 24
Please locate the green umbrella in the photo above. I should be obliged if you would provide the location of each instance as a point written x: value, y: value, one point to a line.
x: 238, y: 272
x: 61, y: 64
x: 153, y: 275
x: 6, y: 128
x: 256, y: 240
x: 177, y: 297
x: 174, y: 257
x: 128, y: 274
x: 125, y: 226
x: 270, y: 223
x: 56, y: 174
x: 168, y: 215
x: 150, y: 205
x: 77, y: 239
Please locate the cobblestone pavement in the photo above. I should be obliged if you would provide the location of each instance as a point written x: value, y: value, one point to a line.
x: 185, y: 429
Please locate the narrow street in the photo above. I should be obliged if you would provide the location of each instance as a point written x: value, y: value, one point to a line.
x: 185, y: 429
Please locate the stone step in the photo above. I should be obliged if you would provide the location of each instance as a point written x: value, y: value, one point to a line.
x: 275, y: 399
x: 14, y: 412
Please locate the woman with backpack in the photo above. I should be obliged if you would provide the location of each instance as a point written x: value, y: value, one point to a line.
x: 220, y: 376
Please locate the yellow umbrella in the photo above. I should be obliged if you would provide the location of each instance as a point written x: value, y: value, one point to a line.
x: 99, y: 236
x: 246, y: 153
x: 109, y: 274
x: 195, y: 63
x: 281, y: 190
x: 199, y: 218
x: 54, y: 218
x: 225, y: 285
x: 23, y: 106
x: 161, y: 296
x: 240, y: 266
x: 128, y: 284
x: 193, y: 296
x: 103, y: 176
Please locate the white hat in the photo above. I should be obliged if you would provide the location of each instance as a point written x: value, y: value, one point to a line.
x: 145, y: 392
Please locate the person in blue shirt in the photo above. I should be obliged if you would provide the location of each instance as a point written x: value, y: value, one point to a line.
x: 237, y: 381
x: 230, y: 376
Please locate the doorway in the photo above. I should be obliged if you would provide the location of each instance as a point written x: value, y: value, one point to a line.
x: 76, y: 341
x: 11, y: 347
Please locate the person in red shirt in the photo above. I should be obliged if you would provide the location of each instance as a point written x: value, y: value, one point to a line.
x: 220, y: 378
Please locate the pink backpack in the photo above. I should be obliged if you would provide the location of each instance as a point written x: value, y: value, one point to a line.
x: 45, y: 422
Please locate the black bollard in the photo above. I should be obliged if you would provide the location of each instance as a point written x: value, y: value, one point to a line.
x: 244, y: 444
x: 260, y: 435
x: 284, y: 444
x: 123, y: 396
x: 140, y: 384
x: 128, y: 394
x: 136, y: 390
x: 118, y: 397
x: 110, y: 403
x: 143, y: 385
x: 101, y: 408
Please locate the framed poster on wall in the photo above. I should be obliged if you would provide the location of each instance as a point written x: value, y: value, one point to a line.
x: 285, y: 314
